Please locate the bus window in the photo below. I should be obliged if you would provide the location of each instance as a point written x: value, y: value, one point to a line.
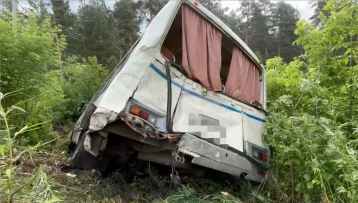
x: 210, y: 57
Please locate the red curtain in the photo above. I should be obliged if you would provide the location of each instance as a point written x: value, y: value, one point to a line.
x: 201, y: 49
x: 243, y: 81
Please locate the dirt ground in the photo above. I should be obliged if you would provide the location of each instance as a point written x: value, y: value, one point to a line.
x: 46, y: 177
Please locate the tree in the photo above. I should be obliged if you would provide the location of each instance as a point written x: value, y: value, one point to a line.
x: 233, y: 21
x: 63, y: 17
x: 334, y: 47
x: 151, y: 7
x: 284, y: 22
x: 318, y: 7
x: 27, y: 57
x: 246, y: 14
x: 215, y: 7
x: 127, y: 21
x: 5, y: 5
x: 40, y: 7
x: 95, y: 33
x: 82, y: 78
x: 258, y: 28
x: 313, y: 113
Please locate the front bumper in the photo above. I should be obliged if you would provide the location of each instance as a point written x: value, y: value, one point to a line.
x: 215, y: 157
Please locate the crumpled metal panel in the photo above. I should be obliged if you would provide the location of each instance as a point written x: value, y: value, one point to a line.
x: 139, y: 126
x: 206, y: 149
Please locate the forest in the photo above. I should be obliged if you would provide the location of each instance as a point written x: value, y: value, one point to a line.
x: 53, y: 58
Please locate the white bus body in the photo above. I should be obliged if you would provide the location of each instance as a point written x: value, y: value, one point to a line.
x: 225, y: 135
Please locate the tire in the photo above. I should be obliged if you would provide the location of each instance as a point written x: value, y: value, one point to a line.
x: 71, y: 146
x: 81, y: 159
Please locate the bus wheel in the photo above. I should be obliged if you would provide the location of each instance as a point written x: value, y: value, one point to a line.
x: 81, y: 159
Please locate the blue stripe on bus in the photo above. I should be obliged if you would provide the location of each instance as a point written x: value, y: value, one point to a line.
x: 163, y: 75
x: 254, y: 117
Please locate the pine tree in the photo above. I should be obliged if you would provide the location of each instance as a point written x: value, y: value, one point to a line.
x: 95, y: 31
x: 233, y: 21
x: 318, y: 7
x: 258, y: 28
x: 245, y: 10
x: 127, y: 20
x: 40, y: 7
x: 284, y: 23
x: 151, y: 8
x: 62, y: 16
x: 5, y: 5
x: 215, y: 7
x: 256, y: 17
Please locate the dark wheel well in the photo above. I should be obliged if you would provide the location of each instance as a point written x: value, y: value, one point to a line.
x: 83, y: 160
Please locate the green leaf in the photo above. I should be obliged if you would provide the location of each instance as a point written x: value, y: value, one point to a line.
x: 306, y: 177
x: 348, y: 51
x: 20, y: 131
x: 10, y: 93
x: 287, y: 149
x: 27, y: 188
x: 288, y: 162
x: 14, y: 108
x: 8, y: 172
x: 296, y: 161
x: 309, y: 185
x: 2, y: 150
x: 298, y: 187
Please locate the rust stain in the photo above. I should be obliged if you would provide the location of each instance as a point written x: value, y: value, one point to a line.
x: 139, y: 126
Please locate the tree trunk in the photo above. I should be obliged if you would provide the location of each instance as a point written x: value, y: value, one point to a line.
x: 247, y: 32
x: 279, y: 46
x: 120, y: 55
x: 57, y: 39
x: 266, y: 51
x: 278, y: 49
x: 129, y: 45
x: 247, y: 25
x: 151, y: 16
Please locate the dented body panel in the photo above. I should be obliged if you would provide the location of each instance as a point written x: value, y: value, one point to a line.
x: 223, y: 130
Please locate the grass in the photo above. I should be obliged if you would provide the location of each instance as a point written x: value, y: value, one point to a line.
x: 48, y: 183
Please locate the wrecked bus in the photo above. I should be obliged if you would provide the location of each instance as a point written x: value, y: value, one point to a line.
x: 189, y: 95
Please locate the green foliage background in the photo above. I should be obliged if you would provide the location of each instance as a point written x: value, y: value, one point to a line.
x: 313, y: 124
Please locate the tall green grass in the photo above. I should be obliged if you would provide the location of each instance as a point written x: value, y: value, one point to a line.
x: 9, y: 185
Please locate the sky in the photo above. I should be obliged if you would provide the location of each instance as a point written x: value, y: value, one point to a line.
x: 303, y: 6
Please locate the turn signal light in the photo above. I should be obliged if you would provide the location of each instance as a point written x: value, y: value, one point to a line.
x: 134, y: 110
x: 262, y: 156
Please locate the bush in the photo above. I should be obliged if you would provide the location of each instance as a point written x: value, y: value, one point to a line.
x: 28, y: 53
x: 313, y: 107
